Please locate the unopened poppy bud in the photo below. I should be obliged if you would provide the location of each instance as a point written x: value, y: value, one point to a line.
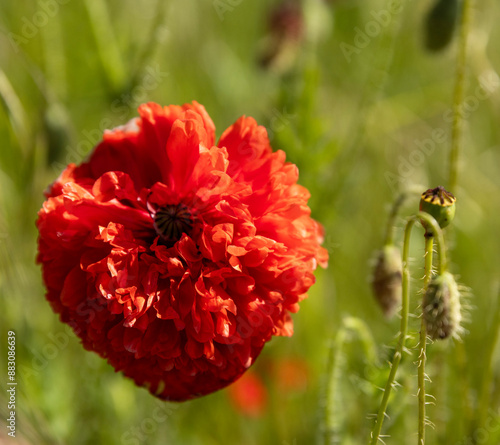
x: 441, y: 307
x: 440, y: 24
x: 386, y: 282
x: 440, y: 204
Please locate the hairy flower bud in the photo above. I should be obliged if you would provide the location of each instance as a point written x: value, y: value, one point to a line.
x: 440, y: 204
x: 441, y: 307
x: 386, y: 282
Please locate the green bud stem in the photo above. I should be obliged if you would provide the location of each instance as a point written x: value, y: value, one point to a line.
x: 396, y: 206
x: 400, y: 348
x: 441, y: 247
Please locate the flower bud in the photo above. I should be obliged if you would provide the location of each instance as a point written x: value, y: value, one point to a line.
x: 386, y: 282
x: 440, y: 24
x: 441, y: 307
x: 440, y: 204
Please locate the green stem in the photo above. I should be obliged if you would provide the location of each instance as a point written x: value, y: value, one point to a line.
x: 396, y: 206
x: 421, y: 383
x: 429, y: 245
x: 402, y: 334
x: 336, y: 364
x: 458, y: 99
x: 17, y: 114
x: 438, y: 235
x: 54, y: 60
x: 334, y: 415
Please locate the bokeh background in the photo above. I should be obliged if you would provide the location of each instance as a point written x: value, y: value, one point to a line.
x: 352, y: 93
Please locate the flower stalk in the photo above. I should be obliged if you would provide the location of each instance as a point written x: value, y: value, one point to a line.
x: 400, y: 348
x: 429, y: 246
x: 333, y: 409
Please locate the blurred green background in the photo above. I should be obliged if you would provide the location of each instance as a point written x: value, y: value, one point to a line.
x: 356, y: 114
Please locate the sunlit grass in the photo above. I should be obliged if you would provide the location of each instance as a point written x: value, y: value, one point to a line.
x: 354, y: 139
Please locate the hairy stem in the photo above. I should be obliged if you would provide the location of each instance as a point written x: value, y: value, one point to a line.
x: 429, y: 245
x: 438, y: 235
x: 402, y: 334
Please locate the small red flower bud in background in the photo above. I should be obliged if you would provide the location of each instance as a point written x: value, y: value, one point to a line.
x: 249, y: 395
x: 177, y: 258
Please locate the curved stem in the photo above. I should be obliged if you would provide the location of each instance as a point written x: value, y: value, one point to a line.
x: 396, y: 206
x: 438, y: 234
x: 458, y: 99
x: 402, y: 334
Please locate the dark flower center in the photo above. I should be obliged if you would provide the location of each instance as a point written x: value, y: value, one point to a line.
x: 171, y: 221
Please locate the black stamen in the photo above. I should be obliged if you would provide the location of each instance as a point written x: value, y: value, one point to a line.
x: 171, y: 221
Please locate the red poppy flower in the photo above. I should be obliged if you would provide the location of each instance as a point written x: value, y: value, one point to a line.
x: 177, y: 259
